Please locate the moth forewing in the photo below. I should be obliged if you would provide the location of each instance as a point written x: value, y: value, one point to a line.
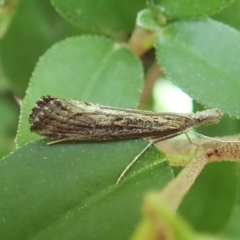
x: 77, y: 120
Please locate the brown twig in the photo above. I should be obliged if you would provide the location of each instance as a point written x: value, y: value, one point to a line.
x: 154, y: 72
x: 141, y: 41
x: 208, y: 150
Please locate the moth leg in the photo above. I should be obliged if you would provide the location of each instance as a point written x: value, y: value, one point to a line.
x: 189, y: 139
x: 133, y: 161
x: 214, y: 139
x: 152, y: 142
x: 200, y: 136
x: 58, y: 141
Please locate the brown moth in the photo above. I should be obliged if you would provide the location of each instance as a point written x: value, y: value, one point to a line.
x: 76, y: 120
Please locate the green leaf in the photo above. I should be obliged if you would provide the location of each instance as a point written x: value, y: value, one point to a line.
x: 34, y: 28
x: 215, y: 191
x: 69, y: 191
x: 230, y: 15
x: 88, y: 68
x: 182, y: 9
x: 232, y: 229
x: 105, y: 16
x: 146, y: 20
x: 202, y: 58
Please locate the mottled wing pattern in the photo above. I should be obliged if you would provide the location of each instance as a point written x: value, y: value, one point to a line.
x: 75, y: 120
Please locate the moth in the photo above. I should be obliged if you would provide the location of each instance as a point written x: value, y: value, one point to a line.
x: 66, y: 120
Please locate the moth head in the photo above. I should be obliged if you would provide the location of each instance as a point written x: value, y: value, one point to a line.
x: 206, y: 117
